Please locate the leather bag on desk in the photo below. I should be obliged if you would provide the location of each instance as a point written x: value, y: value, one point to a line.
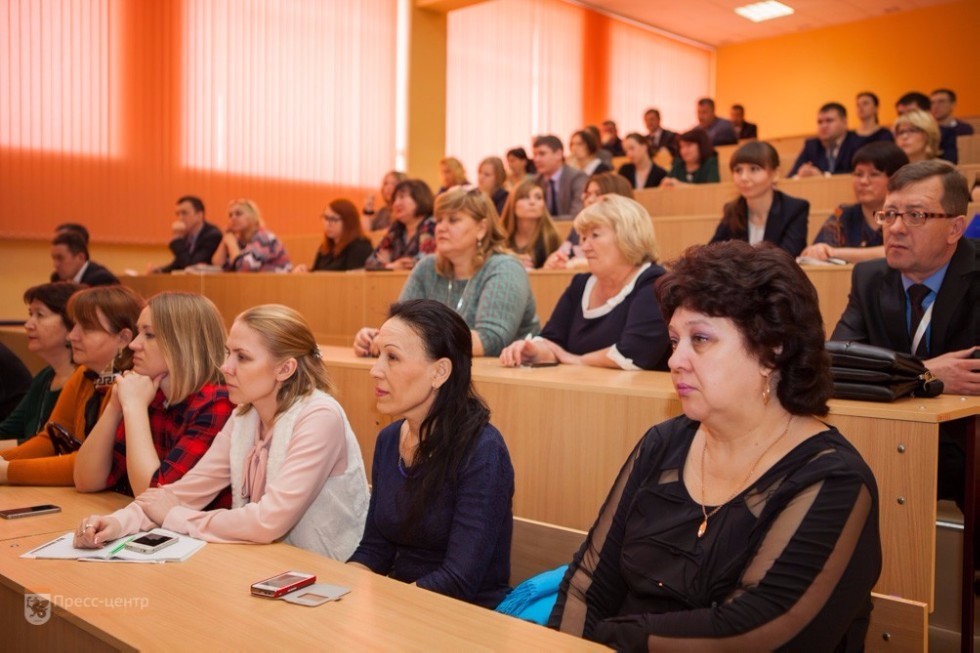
x: 869, y: 373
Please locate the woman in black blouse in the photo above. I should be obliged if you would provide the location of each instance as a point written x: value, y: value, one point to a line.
x: 344, y: 245
x: 641, y: 171
x: 746, y: 523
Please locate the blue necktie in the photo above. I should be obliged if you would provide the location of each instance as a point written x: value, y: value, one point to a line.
x: 552, y: 198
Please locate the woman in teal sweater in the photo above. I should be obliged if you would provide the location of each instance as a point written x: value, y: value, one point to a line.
x: 47, y: 329
x: 472, y: 274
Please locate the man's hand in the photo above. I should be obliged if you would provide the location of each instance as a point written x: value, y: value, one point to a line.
x: 959, y: 372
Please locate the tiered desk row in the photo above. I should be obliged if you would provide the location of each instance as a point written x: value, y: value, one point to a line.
x: 568, y: 429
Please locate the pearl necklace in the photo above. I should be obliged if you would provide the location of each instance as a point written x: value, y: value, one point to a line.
x: 703, y: 528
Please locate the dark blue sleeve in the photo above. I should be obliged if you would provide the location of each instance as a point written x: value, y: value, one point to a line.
x: 481, y: 513
x: 800, y: 160
x: 644, y: 339
x: 375, y: 551
x: 560, y: 322
x: 794, y: 236
x: 722, y: 233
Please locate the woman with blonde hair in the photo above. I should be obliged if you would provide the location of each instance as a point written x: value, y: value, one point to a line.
x: 490, y: 177
x: 609, y: 317
x: 528, y: 226
x: 569, y: 255
x: 248, y: 246
x: 162, y: 415
x: 288, y: 452
x: 917, y: 133
x: 376, y: 219
x: 471, y: 273
x: 452, y: 173
x: 104, y: 323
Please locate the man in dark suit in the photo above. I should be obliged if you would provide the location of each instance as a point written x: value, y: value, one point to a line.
x: 830, y: 153
x: 657, y: 136
x: 69, y: 253
x: 720, y: 130
x: 563, y: 185
x: 611, y: 142
x: 924, y: 296
x: 948, y: 149
x: 942, y: 102
x: 743, y: 130
x: 195, y: 239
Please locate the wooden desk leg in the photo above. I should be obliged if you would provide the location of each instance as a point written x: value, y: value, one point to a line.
x: 970, y: 506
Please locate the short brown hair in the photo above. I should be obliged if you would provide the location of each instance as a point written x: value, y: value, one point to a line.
x: 956, y: 192
x: 121, y: 307
x: 55, y: 296
x: 772, y: 303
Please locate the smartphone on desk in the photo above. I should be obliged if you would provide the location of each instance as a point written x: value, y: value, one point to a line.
x: 150, y: 543
x: 29, y: 511
x: 284, y: 583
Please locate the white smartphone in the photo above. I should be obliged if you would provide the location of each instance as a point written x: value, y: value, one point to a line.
x: 29, y: 511
x: 150, y: 543
x: 284, y: 583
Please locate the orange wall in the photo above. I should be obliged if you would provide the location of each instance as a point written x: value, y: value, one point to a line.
x: 130, y: 198
x: 783, y: 80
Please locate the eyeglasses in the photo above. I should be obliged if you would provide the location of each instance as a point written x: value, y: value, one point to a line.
x: 332, y: 219
x: 910, y: 218
x: 908, y: 132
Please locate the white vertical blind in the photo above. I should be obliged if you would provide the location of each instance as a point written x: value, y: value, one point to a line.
x: 514, y: 71
x: 648, y: 70
x: 294, y: 89
x: 58, y: 77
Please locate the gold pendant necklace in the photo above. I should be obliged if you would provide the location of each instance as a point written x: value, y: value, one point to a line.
x: 703, y: 528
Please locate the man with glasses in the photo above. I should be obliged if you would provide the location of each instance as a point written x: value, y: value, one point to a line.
x: 923, y: 298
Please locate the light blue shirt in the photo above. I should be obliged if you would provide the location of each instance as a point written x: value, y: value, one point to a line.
x: 933, y: 282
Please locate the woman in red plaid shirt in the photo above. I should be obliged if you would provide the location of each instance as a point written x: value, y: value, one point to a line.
x: 164, y: 414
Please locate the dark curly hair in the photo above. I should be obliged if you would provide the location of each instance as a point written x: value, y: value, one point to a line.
x: 772, y: 303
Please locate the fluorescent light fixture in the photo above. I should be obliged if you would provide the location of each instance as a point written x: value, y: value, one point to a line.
x: 760, y: 11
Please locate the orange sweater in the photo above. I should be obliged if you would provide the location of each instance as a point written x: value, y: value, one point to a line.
x: 34, y: 462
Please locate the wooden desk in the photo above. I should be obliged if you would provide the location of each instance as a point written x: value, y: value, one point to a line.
x: 823, y: 193
x: 204, y: 603
x: 74, y: 507
x: 337, y: 304
x: 569, y: 429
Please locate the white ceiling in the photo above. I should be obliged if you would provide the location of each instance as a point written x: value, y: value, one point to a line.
x: 714, y: 22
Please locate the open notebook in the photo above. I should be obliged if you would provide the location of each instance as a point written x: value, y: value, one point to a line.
x: 61, y: 549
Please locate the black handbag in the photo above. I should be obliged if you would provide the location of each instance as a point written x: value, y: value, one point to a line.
x: 870, y: 373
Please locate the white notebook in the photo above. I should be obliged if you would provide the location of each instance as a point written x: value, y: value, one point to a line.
x: 61, y: 549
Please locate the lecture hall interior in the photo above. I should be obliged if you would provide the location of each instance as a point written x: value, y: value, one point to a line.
x: 112, y: 109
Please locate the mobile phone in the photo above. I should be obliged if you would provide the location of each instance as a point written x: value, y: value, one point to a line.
x: 150, y: 543
x: 284, y: 583
x: 62, y: 440
x: 545, y: 364
x: 17, y: 513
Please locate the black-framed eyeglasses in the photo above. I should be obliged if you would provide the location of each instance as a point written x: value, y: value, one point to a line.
x: 332, y: 219
x: 910, y: 218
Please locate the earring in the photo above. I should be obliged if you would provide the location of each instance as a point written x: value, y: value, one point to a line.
x: 766, y: 392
